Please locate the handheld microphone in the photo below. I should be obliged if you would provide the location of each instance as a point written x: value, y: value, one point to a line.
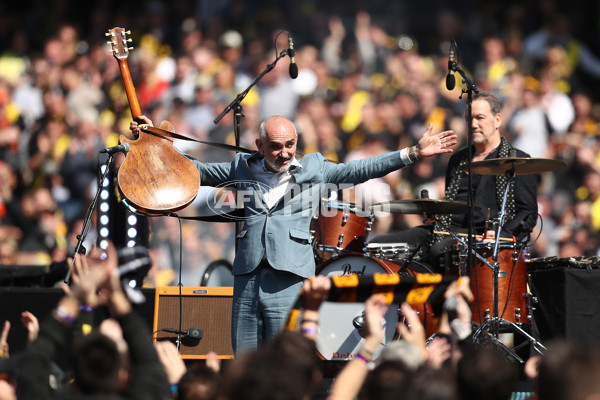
x: 122, y: 148
x: 291, y: 53
x: 450, y: 80
x: 194, y: 333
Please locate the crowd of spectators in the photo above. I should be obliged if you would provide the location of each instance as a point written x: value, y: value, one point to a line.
x: 72, y: 355
x: 371, y: 76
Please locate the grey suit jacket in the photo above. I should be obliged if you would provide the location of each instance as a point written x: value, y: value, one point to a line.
x: 283, y: 231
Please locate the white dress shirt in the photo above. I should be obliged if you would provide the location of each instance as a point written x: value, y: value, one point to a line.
x: 274, y: 184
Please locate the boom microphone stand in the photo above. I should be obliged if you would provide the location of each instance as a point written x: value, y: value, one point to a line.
x: 491, y: 324
x: 79, y: 248
x: 468, y: 89
x: 236, y: 106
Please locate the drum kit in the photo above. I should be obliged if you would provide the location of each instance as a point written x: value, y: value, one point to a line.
x: 499, y: 279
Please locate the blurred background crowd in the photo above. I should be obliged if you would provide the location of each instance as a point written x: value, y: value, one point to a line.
x: 371, y: 77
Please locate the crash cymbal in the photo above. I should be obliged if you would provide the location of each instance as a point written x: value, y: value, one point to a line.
x: 521, y: 165
x: 423, y: 206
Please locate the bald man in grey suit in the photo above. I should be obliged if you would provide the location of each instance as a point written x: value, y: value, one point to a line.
x: 280, y: 196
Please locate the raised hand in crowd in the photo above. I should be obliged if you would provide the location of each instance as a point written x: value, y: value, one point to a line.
x: 315, y: 291
x: 4, y: 348
x: 455, y: 324
x: 350, y: 380
x: 171, y: 361
x: 457, y: 315
x: 110, y: 327
x: 213, y: 362
x: 95, y: 282
x: 411, y: 329
x: 375, y: 309
x: 89, y: 274
x: 31, y: 324
x: 439, y: 350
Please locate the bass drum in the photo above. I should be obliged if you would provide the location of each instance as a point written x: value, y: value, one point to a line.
x: 338, y: 338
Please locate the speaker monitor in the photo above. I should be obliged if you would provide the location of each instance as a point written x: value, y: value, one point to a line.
x: 202, y: 308
x: 568, y: 306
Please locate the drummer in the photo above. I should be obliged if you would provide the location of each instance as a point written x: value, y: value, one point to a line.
x: 488, y: 191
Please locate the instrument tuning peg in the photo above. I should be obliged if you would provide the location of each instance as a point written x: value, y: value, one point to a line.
x: 128, y: 32
x: 130, y: 48
x: 130, y: 40
x: 107, y: 34
x: 109, y: 42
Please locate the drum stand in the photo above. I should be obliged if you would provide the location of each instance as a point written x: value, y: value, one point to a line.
x: 489, y: 331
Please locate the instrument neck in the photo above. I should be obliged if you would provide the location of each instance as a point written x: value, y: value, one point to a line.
x: 134, y: 104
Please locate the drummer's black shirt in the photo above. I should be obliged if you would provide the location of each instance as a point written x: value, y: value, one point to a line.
x: 484, y: 195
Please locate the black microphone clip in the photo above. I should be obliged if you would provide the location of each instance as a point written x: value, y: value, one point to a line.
x: 193, y: 333
x: 122, y: 148
x: 450, y: 79
x: 292, y: 54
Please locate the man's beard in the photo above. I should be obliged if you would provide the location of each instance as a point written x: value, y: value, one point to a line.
x: 273, y: 166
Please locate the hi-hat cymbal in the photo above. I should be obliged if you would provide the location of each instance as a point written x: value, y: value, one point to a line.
x: 423, y: 206
x: 521, y: 165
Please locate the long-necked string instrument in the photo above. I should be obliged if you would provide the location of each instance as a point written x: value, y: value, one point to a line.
x: 154, y: 178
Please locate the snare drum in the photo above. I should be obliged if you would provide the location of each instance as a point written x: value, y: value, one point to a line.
x: 391, y: 251
x: 339, y: 228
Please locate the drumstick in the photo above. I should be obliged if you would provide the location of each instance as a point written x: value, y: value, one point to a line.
x: 485, y: 227
x: 487, y: 221
x: 465, y: 234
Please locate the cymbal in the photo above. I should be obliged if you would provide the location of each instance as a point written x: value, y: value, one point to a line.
x: 423, y: 206
x: 521, y: 165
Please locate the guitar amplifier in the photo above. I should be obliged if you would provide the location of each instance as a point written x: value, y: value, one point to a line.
x: 201, y: 314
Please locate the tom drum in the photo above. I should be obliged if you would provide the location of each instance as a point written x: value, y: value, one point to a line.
x: 340, y: 228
